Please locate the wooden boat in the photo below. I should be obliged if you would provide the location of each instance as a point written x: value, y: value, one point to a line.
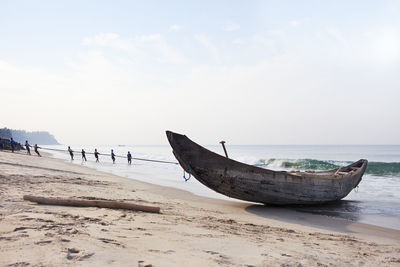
x: 250, y: 183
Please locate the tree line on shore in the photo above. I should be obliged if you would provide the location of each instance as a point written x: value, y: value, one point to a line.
x: 36, y: 137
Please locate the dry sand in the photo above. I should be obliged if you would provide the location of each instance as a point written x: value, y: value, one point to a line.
x: 190, y: 231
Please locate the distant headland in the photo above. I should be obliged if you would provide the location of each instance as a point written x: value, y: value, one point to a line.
x: 37, y: 137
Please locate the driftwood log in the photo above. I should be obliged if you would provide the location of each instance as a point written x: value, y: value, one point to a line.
x: 92, y: 203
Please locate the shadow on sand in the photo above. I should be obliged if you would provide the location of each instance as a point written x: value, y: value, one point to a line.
x: 332, y: 216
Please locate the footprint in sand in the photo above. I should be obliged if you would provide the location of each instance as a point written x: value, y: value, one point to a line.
x: 44, y: 242
x: 71, y: 253
x: 111, y: 241
x: 19, y: 264
x: 211, y: 252
x: 76, y: 254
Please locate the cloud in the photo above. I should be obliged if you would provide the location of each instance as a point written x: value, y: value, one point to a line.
x: 385, y: 45
x: 116, y: 76
x: 238, y: 41
x: 336, y: 34
x: 92, y: 91
x: 297, y: 22
x: 150, y: 38
x: 270, y: 40
x: 33, y: 78
x: 101, y: 39
x: 175, y: 28
x: 153, y: 46
x: 209, y: 45
x: 112, y: 40
x: 156, y: 46
x: 231, y: 26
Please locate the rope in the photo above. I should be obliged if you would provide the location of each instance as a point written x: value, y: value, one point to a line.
x: 188, y: 171
x: 186, y: 179
x: 118, y: 156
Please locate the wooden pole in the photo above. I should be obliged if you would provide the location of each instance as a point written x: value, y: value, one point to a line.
x: 223, y: 145
x: 92, y: 203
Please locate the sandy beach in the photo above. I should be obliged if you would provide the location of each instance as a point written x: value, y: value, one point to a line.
x: 190, y: 231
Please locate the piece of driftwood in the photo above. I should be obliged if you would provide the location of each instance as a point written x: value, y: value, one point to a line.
x: 246, y: 182
x: 92, y: 203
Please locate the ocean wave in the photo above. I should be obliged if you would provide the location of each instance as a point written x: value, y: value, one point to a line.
x: 373, y: 168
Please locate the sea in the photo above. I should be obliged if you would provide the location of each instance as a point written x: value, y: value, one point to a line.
x: 375, y: 201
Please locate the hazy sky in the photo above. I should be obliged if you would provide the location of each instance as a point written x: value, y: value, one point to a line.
x: 248, y: 72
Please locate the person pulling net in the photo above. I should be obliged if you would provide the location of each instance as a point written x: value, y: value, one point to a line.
x: 113, y: 155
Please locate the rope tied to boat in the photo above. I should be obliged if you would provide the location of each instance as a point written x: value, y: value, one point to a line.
x: 187, y: 169
x: 184, y: 177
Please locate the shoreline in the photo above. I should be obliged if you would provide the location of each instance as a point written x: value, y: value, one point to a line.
x: 191, y: 230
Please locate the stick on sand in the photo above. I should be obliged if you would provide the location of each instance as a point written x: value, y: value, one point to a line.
x: 92, y: 203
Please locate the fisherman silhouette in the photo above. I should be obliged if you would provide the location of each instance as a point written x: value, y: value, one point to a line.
x: 12, y: 144
x: 129, y: 156
x: 96, y: 155
x: 35, y: 147
x: 71, y: 153
x: 27, y: 146
x: 113, y: 156
x: 83, y: 155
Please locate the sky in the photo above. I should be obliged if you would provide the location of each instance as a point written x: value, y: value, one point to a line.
x: 247, y: 72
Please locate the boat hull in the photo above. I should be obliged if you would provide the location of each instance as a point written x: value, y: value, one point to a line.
x: 250, y: 183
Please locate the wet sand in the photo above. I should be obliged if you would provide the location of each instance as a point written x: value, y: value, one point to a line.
x: 190, y: 231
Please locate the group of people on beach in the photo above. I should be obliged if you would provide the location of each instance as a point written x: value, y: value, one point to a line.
x: 28, y: 147
x: 97, y: 154
x: 13, y: 145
